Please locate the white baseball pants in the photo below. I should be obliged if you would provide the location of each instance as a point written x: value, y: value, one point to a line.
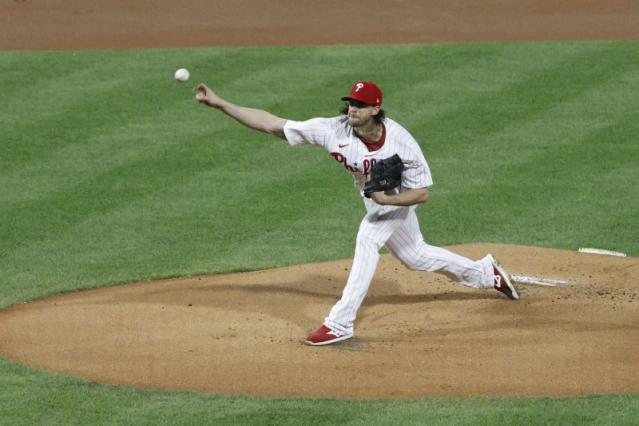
x: 398, y: 229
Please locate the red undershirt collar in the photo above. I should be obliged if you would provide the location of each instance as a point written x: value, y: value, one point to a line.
x: 374, y: 145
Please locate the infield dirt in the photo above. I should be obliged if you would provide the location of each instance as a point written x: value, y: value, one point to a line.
x: 418, y: 334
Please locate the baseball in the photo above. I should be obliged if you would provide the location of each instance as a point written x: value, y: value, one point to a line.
x: 182, y: 74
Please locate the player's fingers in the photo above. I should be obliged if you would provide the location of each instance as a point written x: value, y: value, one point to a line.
x: 200, y: 92
x: 200, y: 87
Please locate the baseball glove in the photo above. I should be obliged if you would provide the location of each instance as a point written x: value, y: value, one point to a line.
x: 386, y: 174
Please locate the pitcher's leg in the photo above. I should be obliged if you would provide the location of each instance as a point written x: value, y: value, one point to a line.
x: 408, y: 245
x: 371, y: 237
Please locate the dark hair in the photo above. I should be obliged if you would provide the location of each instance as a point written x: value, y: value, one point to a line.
x: 379, y: 118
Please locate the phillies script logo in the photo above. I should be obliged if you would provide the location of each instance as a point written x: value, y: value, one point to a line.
x: 366, y: 165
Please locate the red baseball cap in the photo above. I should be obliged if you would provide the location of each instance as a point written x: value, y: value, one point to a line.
x: 365, y: 91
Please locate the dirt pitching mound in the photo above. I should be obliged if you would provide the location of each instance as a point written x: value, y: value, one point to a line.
x: 418, y: 334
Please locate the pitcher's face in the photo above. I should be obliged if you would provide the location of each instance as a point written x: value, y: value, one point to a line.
x: 361, y: 114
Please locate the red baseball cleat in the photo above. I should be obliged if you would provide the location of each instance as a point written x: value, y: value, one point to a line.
x: 326, y: 336
x: 503, y: 282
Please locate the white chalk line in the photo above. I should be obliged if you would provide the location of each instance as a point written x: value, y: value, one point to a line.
x: 546, y: 282
x: 601, y: 251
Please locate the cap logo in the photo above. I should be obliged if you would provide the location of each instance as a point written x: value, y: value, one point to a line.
x: 359, y: 86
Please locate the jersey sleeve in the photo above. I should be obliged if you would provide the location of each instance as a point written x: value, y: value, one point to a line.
x: 314, y: 131
x: 416, y: 170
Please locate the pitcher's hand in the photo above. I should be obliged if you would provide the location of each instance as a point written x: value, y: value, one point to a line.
x: 205, y: 95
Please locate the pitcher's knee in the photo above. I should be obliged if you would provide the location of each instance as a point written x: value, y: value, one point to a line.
x: 416, y: 263
x: 411, y: 263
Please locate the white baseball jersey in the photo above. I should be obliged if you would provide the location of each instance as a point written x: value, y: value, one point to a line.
x: 338, y: 138
x: 395, y: 227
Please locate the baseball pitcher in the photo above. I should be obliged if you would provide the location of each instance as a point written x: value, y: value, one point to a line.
x: 393, y: 177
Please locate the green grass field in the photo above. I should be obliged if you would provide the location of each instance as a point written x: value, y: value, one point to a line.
x: 111, y: 173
